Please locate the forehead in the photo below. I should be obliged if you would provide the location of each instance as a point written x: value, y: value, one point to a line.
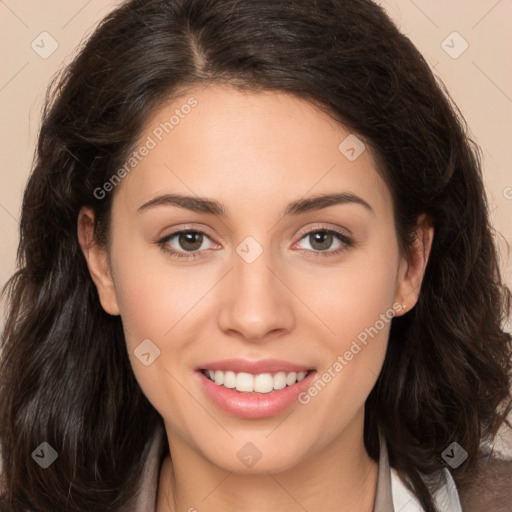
x: 248, y: 148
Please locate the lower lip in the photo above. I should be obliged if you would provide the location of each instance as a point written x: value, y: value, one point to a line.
x: 254, y: 405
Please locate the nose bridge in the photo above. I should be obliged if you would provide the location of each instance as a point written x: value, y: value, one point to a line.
x: 256, y: 301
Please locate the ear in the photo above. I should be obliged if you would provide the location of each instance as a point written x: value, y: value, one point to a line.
x: 97, y: 261
x: 412, y: 267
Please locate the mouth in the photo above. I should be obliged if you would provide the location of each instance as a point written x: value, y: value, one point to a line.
x: 256, y: 390
x: 251, y: 389
x: 262, y: 383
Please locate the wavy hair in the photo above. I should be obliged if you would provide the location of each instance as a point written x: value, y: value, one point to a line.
x: 65, y: 373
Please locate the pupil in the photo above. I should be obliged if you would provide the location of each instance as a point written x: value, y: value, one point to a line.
x: 322, y: 238
x: 188, y: 238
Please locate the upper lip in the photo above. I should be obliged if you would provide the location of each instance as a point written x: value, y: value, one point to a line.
x: 254, y: 367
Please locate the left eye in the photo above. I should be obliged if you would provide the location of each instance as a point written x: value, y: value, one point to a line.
x: 321, y: 240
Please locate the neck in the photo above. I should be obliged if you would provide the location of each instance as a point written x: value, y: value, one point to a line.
x: 340, y: 477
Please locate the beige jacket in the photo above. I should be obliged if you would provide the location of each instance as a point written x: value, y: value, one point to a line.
x: 391, y: 496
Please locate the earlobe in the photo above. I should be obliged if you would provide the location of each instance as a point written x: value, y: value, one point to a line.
x: 97, y: 261
x: 412, y: 269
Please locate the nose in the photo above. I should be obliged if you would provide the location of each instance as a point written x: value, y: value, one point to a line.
x: 256, y: 301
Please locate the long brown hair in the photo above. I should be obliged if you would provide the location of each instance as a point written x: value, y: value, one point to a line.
x: 65, y: 374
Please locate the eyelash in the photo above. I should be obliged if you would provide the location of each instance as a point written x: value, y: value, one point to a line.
x: 346, y: 241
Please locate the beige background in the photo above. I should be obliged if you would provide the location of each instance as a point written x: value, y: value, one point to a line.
x: 480, y: 81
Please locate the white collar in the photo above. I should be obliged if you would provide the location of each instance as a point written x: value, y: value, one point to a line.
x: 446, y: 498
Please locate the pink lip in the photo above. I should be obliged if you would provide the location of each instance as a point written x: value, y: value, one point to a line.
x: 254, y: 405
x: 254, y: 367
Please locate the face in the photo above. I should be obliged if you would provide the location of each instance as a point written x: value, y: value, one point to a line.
x: 254, y: 274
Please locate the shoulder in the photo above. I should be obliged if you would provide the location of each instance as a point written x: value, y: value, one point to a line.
x: 491, y: 489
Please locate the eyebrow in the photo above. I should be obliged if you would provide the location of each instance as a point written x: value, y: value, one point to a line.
x: 213, y: 207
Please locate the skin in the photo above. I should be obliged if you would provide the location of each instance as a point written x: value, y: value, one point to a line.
x: 255, y: 153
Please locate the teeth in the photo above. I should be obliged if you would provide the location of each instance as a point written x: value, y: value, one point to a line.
x: 229, y: 379
x: 219, y: 378
x: 244, y: 382
x: 291, y: 378
x: 248, y: 383
x: 263, y: 383
x: 280, y: 380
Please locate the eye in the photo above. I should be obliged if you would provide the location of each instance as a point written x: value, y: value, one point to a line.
x: 321, y: 240
x: 186, y: 244
x: 189, y: 244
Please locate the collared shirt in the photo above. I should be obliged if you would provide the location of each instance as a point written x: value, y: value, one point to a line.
x: 391, y: 494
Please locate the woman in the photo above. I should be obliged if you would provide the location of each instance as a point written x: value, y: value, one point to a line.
x: 256, y: 271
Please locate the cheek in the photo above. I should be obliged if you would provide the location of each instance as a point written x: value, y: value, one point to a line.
x: 351, y: 298
x: 153, y: 296
x: 356, y: 307
x: 165, y: 303
x: 157, y: 304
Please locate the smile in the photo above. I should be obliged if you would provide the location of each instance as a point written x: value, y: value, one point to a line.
x: 249, y: 383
